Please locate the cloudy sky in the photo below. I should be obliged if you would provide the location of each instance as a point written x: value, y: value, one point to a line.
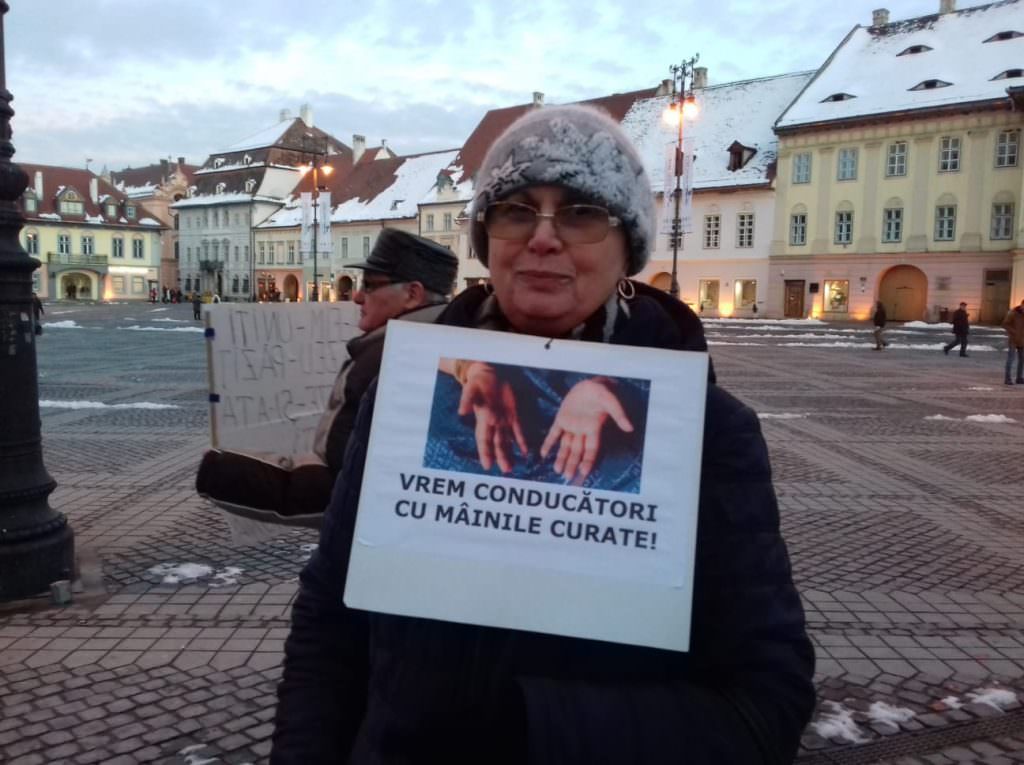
x: 127, y: 82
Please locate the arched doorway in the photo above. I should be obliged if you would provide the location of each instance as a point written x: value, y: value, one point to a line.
x: 345, y: 288
x: 662, y: 281
x: 291, y: 288
x: 904, y: 293
x: 75, y: 286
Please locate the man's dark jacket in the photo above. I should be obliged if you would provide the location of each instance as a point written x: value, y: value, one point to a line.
x: 960, y: 323
x: 372, y: 688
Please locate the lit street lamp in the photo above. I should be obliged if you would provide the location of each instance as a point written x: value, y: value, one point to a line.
x: 683, y: 106
x: 316, y: 168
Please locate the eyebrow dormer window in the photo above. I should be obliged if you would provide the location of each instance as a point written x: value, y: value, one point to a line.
x: 218, y: 162
x: 837, y: 97
x: 914, y: 49
x: 111, y: 210
x: 221, y: 188
x: 31, y: 203
x: 246, y: 160
x: 1009, y: 74
x: 1007, y: 35
x: 931, y: 85
x: 250, y: 186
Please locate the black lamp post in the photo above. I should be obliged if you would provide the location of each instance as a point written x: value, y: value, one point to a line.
x: 317, y: 167
x: 36, y: 543
x: 683, y: 105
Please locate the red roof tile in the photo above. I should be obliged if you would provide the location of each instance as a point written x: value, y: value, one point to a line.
x: 56, y: 180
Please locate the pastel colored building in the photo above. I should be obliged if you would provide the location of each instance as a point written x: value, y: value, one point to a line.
x: 900, y: 175
x: 93, y: 241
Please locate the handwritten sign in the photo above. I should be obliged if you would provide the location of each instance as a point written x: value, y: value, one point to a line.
x: 271, y: 368
x: 575, y: 515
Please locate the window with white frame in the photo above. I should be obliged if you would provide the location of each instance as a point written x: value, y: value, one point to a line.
x: 64, y: 244
x: 250, y: 186
x: 280, y: 253
x: 366, y: 247
x: 846, y: 169
x: 896, y: 159
x: 798, y: 229
x: 32, y: 243
x: 188, y: 254
x: 712, y: 232
x: 245, y: 254
x: 430, y: 222
x: 745, y: 293
x: 802, y: 167
x: 844, y: 227
x: 71, y: 204
x: 945, y: 223
x: 447, y: 221
x: 234, y: 283
x: 88, y: 245
x: 344, y: 248
x: 138, y: 285
x: 837, y: 295
x: 237, y: 253
x: 129, y: 212
x: 138, y: 249
x: 1002, y: 221
x: 111, y: 210
x: 117, y: 284
x: 1007, y: 148
x: 745, y: 229
x: 892, y: 224
x: 118, y: 247
x: 31, y: 203
x: 949, y: 154
x: 291, y: 252
x: 245, y: 285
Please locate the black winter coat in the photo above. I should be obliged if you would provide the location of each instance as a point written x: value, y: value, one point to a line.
x: 960, y: 323
x: 372, y: 688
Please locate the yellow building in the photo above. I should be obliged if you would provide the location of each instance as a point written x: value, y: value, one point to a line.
x: 900, y: 172
x: 94, y: 242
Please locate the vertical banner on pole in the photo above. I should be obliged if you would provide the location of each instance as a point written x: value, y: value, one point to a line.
x: 306, y: 239
x: 686, y: 209
x: 324, y: 246
x: 669, y: 186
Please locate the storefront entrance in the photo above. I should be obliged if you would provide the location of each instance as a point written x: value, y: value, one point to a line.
x: 291, y: 288
x: 794, y: 306
x: 345, y: 288
x: 75, y: 286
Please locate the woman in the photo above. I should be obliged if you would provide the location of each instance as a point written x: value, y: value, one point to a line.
x: 562, y: 215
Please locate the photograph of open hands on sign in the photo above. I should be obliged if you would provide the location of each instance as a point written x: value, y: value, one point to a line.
x: 538, y: 424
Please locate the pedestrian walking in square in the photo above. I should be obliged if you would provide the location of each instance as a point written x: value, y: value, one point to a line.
x: 879, y: 319
x: 1014, y: 326
x: 197, y: 306
x: 961, y: 326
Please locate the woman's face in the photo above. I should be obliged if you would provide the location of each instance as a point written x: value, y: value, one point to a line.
x: 546, y: 286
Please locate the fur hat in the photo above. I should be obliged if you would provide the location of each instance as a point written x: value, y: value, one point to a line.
x: 579, y: 148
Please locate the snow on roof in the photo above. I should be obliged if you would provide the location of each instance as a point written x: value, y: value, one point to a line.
x: 867, y: 65
x: 149, y: 222
x: 233, y: 166
x: 737, y: 111
x: 460, y: 192
x: 264, y: 138
x: 204, y: 200
x: 415, y: 178
x: 135, y: 192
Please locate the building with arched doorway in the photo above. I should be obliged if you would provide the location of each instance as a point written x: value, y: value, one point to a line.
x: 900, y: 172
x: 93, y: 241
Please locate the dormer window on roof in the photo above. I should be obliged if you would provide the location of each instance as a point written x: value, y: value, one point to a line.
x: 250, y: 186
x: 1007, y: 35
x: 31, y: 203
x: 218, y: 162
x: 740, y: 155
x: 221, y: 188
x: 70, y: 203
x: 129, y: 212
x: 930, y: 85
x: 914, y: 49
x: 246, y: 160
x: 395, y: 203
x: 1009, y: 74
x: 837, y: 97
x: 111, y: 210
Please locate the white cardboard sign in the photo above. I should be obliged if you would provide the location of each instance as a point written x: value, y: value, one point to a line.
x: 611, y: 558
x: 271, y: 368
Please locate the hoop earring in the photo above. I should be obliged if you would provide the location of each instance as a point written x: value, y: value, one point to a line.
x: 626, y: 289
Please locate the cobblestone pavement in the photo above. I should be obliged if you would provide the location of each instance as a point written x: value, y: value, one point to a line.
x: 900, y: 500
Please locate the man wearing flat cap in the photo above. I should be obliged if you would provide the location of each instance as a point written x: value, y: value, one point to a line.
x: 406, y: 277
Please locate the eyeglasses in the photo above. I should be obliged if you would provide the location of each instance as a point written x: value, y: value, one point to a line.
x: 367, y: 287
x: 575, y: 224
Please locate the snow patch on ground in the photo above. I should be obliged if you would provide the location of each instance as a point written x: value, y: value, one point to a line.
x: 225, y: 577
x: 726, y: 342
x: 308, y: 550
x: 781, y: 415
x: 989, y: 418
x: 942, y: 417
x: 882, y: 712
x: 175, y: 573
x: 100, y: 405
x: 980, y: 387
x: 63, y: 324
x: 792, y: 322
x: 155, y: 310
x: 1000, y: 698
x: 837, y: 723
x: 952, y: 702
x: 163, y: 318
x: 137, y: 328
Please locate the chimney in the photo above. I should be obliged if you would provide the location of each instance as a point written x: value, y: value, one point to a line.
x: 306, y: 114
x: 665, y: 88
x: 538, y: 98
x: 358, y: 147
x: 947, y: 6
x: 181, y: 161
x: 285, y: 114
x: 879, y: 17
x: 39, y: 184
x: 94, y: 189
x: 164, y: 170
x: 700, y: 77
x: 383, y: 154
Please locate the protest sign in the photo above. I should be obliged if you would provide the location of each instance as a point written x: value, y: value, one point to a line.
x: 563, y: 499
x: 271, y: 367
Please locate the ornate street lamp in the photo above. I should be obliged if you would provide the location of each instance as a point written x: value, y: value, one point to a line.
x: 316, y: 166
x: 36, y: 543
x: 682, y: 107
